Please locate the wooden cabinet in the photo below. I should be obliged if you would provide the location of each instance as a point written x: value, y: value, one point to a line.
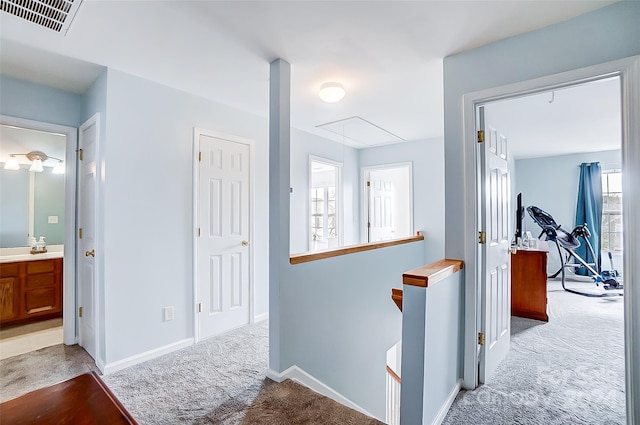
x: 30, y: 291
x: 529, y: 284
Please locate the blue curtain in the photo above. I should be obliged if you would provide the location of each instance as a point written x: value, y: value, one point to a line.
x: 589, y: 210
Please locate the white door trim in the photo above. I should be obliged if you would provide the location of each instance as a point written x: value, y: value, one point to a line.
x: 197, y: 132
x: 629, y: 71
x: 364, y: 202
x: 69, y: 264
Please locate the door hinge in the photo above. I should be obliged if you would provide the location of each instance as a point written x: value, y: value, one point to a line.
x: 79, y: 311
x: 198, y: 232
x: 80, y: 154
x: 480, y: 136
x: 481, y: 338
x: 369, y: 225
x: 199, y: 307
x: 199, y: 156
x: 80, y: 233
x: 368, y: 183
x: 482, y: 237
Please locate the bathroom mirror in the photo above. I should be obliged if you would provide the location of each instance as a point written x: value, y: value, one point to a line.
x: 32, y: 202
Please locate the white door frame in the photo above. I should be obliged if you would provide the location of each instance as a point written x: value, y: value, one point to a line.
x: 339, y: 198
x: 69, y: 264
x: 629, y: 71
x: 364, y: 201
x: 197, y: 132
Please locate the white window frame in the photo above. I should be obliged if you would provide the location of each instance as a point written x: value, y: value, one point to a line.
x: 339, y: 199
x: 611, y: 213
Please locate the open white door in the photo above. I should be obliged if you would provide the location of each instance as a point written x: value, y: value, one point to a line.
x: 223, y: 268
x: 389, y: 204
x: 495, y: 267
x: 87, y: 275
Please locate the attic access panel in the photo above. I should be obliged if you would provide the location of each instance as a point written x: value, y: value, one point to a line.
x: 360, y: 133
x: 55, y: 15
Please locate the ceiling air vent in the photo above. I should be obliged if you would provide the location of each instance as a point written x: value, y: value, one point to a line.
x: 56, y: 15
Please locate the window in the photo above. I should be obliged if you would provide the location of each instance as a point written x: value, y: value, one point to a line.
x: 611, y: 232
x: 323, y: 210
x: 325, y: 205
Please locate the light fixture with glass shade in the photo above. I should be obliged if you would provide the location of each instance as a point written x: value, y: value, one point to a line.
x: 332, y: 92
x: 37, y: 158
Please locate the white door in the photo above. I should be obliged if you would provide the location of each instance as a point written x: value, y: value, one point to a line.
x: 380, y: 212
x: 389, y: 203
x: 494, y: 261
x: 87, y: 181
x: 223, y: 245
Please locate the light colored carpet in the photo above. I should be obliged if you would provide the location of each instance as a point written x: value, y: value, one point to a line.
x: 567, y: 371
x: 42, y: 368
x: 222, y: 381
x: 219, y: 381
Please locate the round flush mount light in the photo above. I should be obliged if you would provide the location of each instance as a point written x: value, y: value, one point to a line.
x: 331, y: 92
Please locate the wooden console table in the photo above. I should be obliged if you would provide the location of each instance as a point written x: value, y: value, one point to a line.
x: 529, y: 283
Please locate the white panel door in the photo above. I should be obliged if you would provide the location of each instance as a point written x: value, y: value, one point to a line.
x: 381, y: 198
x: 495, y: 261
x: 87, y: 279
x: 223, y: 244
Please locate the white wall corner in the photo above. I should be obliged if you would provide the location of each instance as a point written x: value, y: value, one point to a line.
x: 260, y: 317
x: 112, y: 367
x: 444, y: 409
x: 100, y: 364
x: 301, y: 377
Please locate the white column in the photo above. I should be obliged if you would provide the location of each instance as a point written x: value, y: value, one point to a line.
x: 279, y: 142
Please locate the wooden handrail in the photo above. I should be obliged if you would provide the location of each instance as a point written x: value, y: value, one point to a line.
x: 320, y: 255
x: 393, y: 374
x: 396, y: 296
x: 430, y: 274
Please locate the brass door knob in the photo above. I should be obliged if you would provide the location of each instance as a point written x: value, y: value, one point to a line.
x: 91, y: 253
x: 245, y: 243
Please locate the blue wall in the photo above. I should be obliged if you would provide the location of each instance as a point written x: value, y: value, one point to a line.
x: 600, y: 36
x: 36, y: 102
x: 148, y: 123
x: 49, y: 201
x: 427, y: 157
x: 337, y: 319
x: 304, y: 144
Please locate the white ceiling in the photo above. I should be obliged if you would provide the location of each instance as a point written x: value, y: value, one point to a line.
x: 387, y: 54
x: 582, y: 118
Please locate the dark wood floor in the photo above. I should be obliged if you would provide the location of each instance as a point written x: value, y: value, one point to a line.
x: 82, y: 400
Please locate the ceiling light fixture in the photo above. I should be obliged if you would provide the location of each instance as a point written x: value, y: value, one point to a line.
x: 12, y: 163
x: 37, y: 158
x: 331, y: 92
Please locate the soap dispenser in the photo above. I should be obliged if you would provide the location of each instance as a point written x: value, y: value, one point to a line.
x: 41, y: 245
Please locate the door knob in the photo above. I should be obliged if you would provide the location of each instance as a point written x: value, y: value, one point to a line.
x: 245, y: 243
x: 91, y: 253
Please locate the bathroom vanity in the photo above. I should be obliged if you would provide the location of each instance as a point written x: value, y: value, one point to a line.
x: 30, y: 288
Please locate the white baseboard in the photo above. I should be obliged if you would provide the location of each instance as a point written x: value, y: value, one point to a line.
x: 143, y: 357
x: 300, y: 376
x: 444, y: 409
x: 261, y: 317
